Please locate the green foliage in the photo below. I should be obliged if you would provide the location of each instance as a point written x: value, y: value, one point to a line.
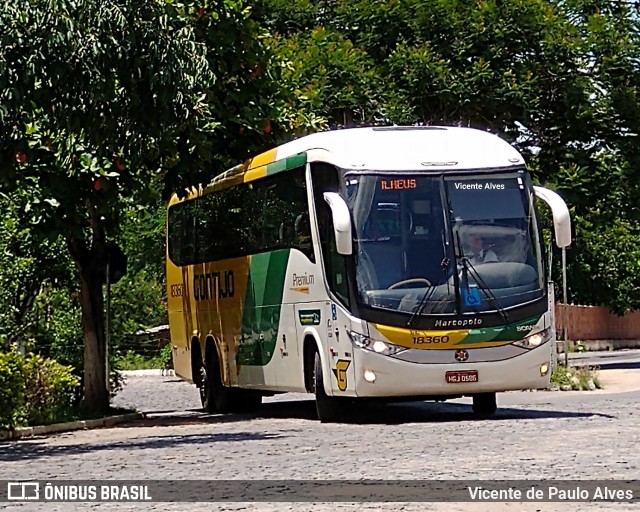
x: 28, y: 263
x: 142, y: 237
x: 50, y: 392
x: 107, y: 104
x: 132, y: 361
x: 12, y: 400
x: 35, y: 390
x: 330, y: 80
x: 166, y: 357
x: 606, y: 263
x: 139, y: 302
x: 59, y: 331
x: 135, y: 361
x: 559, y: 80
x: 576, y: 379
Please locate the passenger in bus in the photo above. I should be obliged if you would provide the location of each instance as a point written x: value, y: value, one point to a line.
x: 477, y: 252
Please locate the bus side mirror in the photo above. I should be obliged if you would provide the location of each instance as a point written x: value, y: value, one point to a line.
x: 341, y: 222
x: 561, y: 217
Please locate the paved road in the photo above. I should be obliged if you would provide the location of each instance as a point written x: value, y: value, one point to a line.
x: 535, y: 435
x: 620, y: 359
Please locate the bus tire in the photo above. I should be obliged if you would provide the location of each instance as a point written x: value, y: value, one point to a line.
x: 485, y: 404
x: 328, y: 408
x: 216, y: 397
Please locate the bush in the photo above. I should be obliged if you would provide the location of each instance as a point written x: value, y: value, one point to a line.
x: 166, y: 356
x: 11, y: 389
x: 35, y: 390
x: 134, y: 361
x: 575, y: 379
x: 49, y: 391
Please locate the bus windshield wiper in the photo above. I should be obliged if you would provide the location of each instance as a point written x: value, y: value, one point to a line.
x: 427, y: 295
x: 467, y: 266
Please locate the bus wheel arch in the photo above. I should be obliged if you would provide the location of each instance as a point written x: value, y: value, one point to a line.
x: 311, y: 346
x: 328, y: 408
x: 196, y: 362
x: 210, y: 350
x: 215, y: 396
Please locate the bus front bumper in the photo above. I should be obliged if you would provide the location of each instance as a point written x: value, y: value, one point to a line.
x: 382, y: 376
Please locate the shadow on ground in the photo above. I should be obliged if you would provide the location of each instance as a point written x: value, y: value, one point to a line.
x: 619, y: 366
x: 362, y: 413
x: 36, y: 448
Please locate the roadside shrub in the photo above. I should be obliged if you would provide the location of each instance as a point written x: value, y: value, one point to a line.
x: 575, y: 379
x: 134, y: 361
x: 34, y: 390
x: 12, y: 398
x: 50, y: 391
x: 166, y: 356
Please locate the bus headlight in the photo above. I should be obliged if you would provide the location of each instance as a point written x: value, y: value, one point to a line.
x: 378, y: 346
x: 534, y: 340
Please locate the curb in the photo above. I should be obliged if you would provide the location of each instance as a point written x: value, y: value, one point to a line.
x: 146, y: 373
x: 41, y: 430
x: 599, y: 345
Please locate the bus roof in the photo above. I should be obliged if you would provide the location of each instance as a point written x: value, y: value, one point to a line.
x: 393, y: 148
x: 405, y: 148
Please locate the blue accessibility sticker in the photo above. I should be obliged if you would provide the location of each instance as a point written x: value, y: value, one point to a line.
x: 472, y: 297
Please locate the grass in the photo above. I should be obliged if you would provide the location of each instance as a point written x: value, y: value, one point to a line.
x: 576, y: 346
x: 134, y: 361
x: 571, y: 378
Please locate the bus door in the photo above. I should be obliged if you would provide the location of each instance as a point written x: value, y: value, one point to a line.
x: 324, y: 319
x: 287, y: 356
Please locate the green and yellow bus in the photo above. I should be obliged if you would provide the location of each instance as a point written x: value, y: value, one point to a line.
x: 390, y: 262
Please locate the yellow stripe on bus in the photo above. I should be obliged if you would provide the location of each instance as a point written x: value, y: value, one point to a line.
x: 255, y: 173
x: 263, y: 159
x: 414, y: 338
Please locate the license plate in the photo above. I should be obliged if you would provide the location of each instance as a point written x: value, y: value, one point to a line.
x: 462, y: 376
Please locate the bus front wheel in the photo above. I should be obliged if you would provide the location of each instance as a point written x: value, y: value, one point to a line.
x: 485, y: 404
x: 329, y: 409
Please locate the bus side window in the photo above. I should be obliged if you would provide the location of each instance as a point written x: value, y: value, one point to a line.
x: 289, y: 210
x: 175, y: 222
x: 325, y: 179
x: 182, y: 233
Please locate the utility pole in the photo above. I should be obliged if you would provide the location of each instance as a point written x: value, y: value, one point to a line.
x: 565, y: 309
x: 107, y: 329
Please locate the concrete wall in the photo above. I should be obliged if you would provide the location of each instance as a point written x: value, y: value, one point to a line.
x: 597, y: 323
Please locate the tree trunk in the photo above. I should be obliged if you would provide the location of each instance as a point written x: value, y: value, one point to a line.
x: 96, y: 396
x: 91, y: 262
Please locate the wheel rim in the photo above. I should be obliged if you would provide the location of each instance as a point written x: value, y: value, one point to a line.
x: 204, y: 385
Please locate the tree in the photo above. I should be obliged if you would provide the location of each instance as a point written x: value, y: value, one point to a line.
x: 558, y: 79
x: 101, y: 99
x: 27, y: 264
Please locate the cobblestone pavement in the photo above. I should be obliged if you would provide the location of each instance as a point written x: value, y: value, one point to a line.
x: 535, y: 435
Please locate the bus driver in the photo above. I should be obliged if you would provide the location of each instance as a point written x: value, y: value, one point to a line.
x: 477, y: 253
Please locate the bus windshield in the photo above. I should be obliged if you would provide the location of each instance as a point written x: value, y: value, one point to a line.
x: 445, y: 245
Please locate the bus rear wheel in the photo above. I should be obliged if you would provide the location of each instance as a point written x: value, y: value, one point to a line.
x: 485, y: 404
x: 329, y: 409
x: 215, y: 396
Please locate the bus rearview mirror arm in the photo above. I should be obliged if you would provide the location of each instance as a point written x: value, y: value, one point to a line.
x: 341, y: 222
x: 561, y: 217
